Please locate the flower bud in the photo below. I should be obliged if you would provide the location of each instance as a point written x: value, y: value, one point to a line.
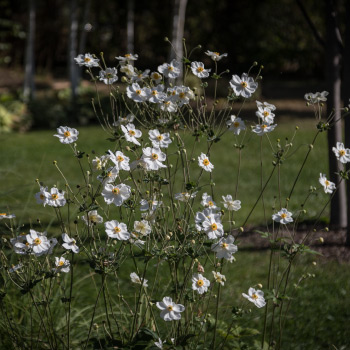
x: 259, y: 285
x: 321, y: 239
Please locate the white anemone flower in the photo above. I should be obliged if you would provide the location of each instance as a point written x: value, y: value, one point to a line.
x: 70, y: 243
x: 61, y: 265
x: 203, y: 162
x: 256, y: 297
x: 116, y: 194
x: 155, y: 94
x: 128, y: 57
x: 136, y: 279
x: 120, y: 160
x: 131, y: 133
x: 67, y: 135
x: 159, y: 343
x: 283, y: 216
x: 169, y: 310
x: 328, y: 186
x: 235, y: 124
x: 209, y: 222
x: 128, y: 70
x: 262, y: 129
x: 116, y: 229
x: 55, y: 198
x: 140, y: 76
x: 20, y: 244
x: 136, y: 93
x: 183, y: 95
x: 199, y: 71
x: 184, y: 196
x: 219, y: 278
x: 92, y: 218
x: 154, y: 158
x: 224, y: 248
x: 159, y: 140
x: 110, y: 176
x: 149, y: 205
x: 265, y: 114
x: 342, y: 153
x: 200, y: 283
x: 316, y: 97
x: 170, y: 70
x: 7, y: 216
x: 207, y: 201
x: 244, y: 86
x: 231, y: 204
x: 263, y: 105
x: 215, y: 56
x: 143, y: 227
x: 168, y: 106
x: 38, y: 242
x: 98, y: 163
x: 124, y: 120
x: 108, y: 76
x: 42, y: 195
x: 87, y: 60
x: 15, y: 268
x: 156, y: 77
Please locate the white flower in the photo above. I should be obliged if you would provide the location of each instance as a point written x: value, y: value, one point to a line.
x: 200, y: 283
x: 224, y: 248
x: 136, y: 279
x: 110, y: 176
x: 156, y: 77
x: 159, y: 140
x: 140, y: 75
x: 207, y: 201
x: 142, y: 227
x: 128, y: 57
x: 170, y: 310
x: 262, y: 129
x: 203, y: 162
x: 231, y: 204
x: 14, y: 268
x: 215, y: 56
x: 316, y: 97
x: 283, y: 216
x: 155, y: 94
x: 263, y: 105
x: 100, y: 162
x: 256, y: 297
x: 131, y: 133
x: 38, y: 242
x: 184, y: 196
x: 116, y: 194
x: 219, y: 278
x: 20, y: 245
x: 328, y: 186
x: 265, y: 113
x: 135, y: 92
x: 199, y: 71
x: 210, y: 223
x: 55, y: 198
x: 168, y: 106
x: 42, y: 195
x: 69, y: 243
x: 154, y: 158
x: 108, y: 76
x: 87, y: 60
x: 235, y: 124
x: 159, y: 343
x: 342, y: 153
x: 124, y: 120
x: 145, y: 205
x: 170, y: 70
x: 120, y: 160
x: 7, y: 216
x: 244, y: 86
x: 92, y: 218
x: 62, y: 265
x: 128, y: 69
x: 115, y: 229
x: 183, y: 95
x: 67, y: 135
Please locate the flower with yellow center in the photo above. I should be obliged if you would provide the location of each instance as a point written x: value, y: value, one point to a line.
x: 199, y: 70
x: 225, y: 248
x: 204, y: 163
x: 199, y: 283
x: 169, y: 310
x: 86, y: 60
x: 283, y: 216
x: 67, y: 135
x: 256, y: 297
x: 328, y: 186
x: 243, y: 86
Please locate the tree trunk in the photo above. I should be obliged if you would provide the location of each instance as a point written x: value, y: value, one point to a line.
x: 29, y: 82
x: 130, y: 27
x: 178, y: 30
x: 73, y: 71
x: 333, y: 66
x: 346, y: 97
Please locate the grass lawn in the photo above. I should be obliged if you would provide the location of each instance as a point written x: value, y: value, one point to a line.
x: 319, y: 313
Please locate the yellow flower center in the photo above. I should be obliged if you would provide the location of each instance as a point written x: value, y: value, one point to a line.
x: 266, y: 113
x: 120, y: 158
x: 236, y: 124
x: 154, y: 156
x: 37, y: 241
x: 42, y: 197
x: 156, y: 76
x: 61, y: 263
x: 115, y: 191
x: 264, y: 126
x: 87, y: 59
x: 132, y: 132
x: 283, y: 215
x: 170, y: 308
x: 93, y: 218
x: 206, y: 162
x: 54, y: 196
x: 254, y: 296
x: 2, y: 214
x: 182, y: 95
x: 214, y: 227
x: 244, y: 84
x: 216, y: 53
x: 171, y: 68
x: 200, y: 283
x: 327, y: 183
x: 200, y: 69
x: 117, y: 229
x: 138, y: 92
x: 154, y: 92
x: 342, y: 152
x: 109, y: 174
x: 66, y: 134
x: 160, y: 137
x: 210, y: 203
x: 127, y: 55
x: 224, y: 245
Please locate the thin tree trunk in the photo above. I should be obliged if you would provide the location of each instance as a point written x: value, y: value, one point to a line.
x: 29, y: 82
x: 178, y: 30
x: 130, y: 27
x: 73, y: 74
x: 346, y: 97
x: 333, y: 61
